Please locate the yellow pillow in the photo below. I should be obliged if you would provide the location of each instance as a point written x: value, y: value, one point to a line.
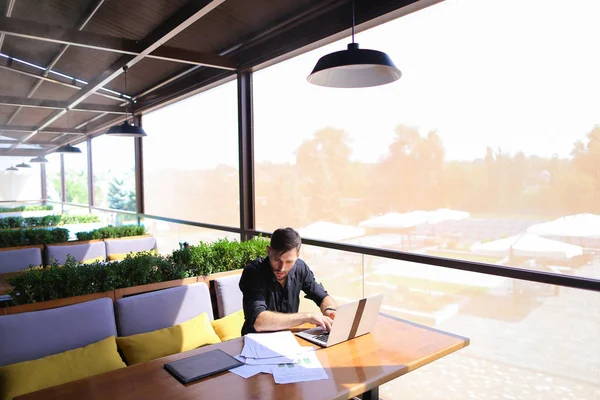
x: 230, y: 326
x: 93, y: 260
x: 163, y: 342
x: 121, y: 256
x: 29, y: 376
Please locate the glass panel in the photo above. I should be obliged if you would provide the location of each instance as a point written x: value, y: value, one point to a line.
x: 340, y: 273
x: 191, y: 158
x: 528, y: 340
x: 23, y: 184
x: 53, y: 177
x: 463, y: 157
x: 171, y: 236
x: 76, y: 176
x: 113, y: 161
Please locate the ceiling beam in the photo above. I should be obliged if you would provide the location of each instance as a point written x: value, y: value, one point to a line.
x: 23, y: 152
x: 56, y: 104
x: 21, y: 128
x: 43, y: 76
x: 74, y: 37
x: 186, y: 16
x: 6, y: 141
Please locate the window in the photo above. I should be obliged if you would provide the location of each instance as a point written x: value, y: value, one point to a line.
x: 53, y: 177
x: 76, y: 175
x: 489, y: 132
x: 113, y: 161
x: 23, y: 184
x: 191, y: 158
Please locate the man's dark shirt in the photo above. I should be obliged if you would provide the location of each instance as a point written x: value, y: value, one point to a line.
x: 262, y: 292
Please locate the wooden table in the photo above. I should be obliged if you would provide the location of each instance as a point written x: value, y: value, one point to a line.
x: 394, y: 348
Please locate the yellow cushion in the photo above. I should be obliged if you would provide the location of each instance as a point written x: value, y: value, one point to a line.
x: 29, y: 376
x: 93, y: 260
x: 230, y: 326
x: 163, y: 342
x: 121, y: 256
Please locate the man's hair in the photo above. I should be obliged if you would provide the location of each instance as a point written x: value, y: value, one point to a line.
x: 285, y: 239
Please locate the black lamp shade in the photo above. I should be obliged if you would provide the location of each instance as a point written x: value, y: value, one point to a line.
x: 23, y: 165
x: 354, y: 68
x: 126, y: 129
x: 68, y: 149
x: 11, y: 168
x: 39, y: 159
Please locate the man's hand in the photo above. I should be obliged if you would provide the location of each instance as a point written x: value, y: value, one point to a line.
x: 330, y: 313
x: 322, y: 320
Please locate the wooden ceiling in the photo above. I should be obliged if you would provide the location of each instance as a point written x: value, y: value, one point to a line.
x: 61, y: 61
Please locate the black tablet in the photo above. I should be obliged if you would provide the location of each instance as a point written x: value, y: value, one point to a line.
x: 201, y: 365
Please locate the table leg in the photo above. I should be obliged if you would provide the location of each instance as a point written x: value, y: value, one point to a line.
x: 372, y: 394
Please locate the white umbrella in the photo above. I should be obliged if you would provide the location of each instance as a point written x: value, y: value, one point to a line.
x: 396, y: 220
x: 527, y: 245
x: 324, y: 230
x: 446, y: 214
x: 579, y: 225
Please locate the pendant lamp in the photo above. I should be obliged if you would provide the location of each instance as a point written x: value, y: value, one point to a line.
x: 354, y: 67
x: 23, y: 165
x: 39, y: 159
x: 126, y: 129
x: 11, y: 168
x: 68, y: 148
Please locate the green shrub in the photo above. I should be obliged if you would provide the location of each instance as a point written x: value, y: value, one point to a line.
x: 72, y: 279
x: 220, y: 256
x: 25, y: 237
x: 26, y: 208
x: 46, y: 221
x: 112, y: 232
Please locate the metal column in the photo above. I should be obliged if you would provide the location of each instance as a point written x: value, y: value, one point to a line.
x: 246, y: 154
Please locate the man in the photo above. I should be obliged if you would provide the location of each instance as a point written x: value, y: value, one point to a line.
x: 271, y: 288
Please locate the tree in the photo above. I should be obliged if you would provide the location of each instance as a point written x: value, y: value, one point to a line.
x: 120, y: 195
x: 325, y: 169
x: 410, y: 177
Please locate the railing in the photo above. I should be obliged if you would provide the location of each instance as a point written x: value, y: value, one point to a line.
x: 533, y: 334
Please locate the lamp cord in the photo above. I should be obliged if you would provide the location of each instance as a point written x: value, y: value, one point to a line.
x: 353, y: 21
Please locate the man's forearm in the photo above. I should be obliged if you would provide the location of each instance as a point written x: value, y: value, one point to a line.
x: 274, y: 321
x: 328, y: 302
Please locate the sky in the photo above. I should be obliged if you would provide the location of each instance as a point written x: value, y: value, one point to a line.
x: 515, y: 75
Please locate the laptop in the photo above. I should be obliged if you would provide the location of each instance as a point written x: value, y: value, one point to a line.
x: 351, y: 320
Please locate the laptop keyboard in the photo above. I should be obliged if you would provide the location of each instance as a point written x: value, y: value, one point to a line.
x: 323, y: 337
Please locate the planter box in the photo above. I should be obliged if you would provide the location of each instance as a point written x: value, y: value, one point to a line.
x: 44, y: 305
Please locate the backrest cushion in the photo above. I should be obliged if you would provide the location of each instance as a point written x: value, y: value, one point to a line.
x: 81, y: 252
x: 29, y: 376
x: 229, y: 295
x: 162, y: 309
x: 37, y: 334
x: 186, y: 336
x: 120, y: 247
x: 19, y: 259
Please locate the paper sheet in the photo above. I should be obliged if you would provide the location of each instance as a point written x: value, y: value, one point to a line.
x: 279, y: 360
x: 268, y: 345
x: 247, y: 371
x: 307, y: 368
x: 280, y: 354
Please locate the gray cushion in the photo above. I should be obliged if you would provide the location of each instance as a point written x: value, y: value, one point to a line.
x: 126, y: 245
x: 162, y: 309
x: 19, y: 259
x: 229, y: 295
x: 81, y: 252
x: 37, y: 334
